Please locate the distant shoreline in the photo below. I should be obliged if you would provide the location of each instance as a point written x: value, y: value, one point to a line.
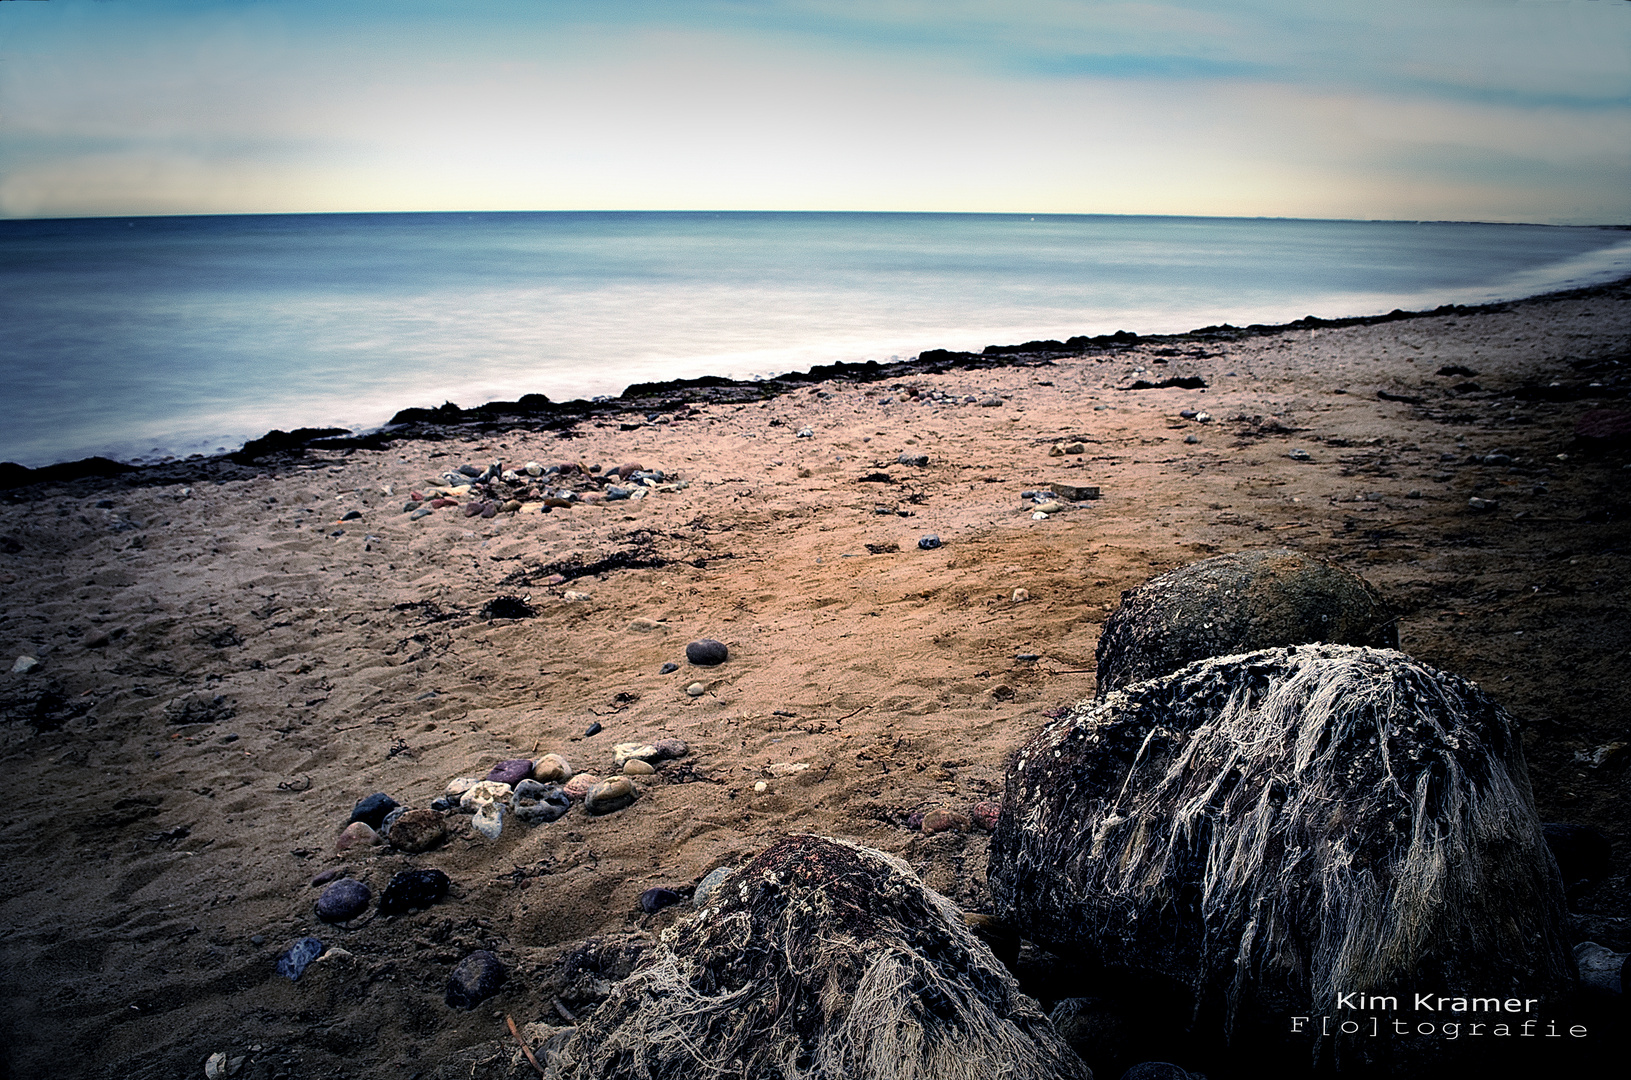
x: 535, y: 412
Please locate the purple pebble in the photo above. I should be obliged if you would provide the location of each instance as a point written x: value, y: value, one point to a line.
x: 345, y: 899
x: 510, y: 772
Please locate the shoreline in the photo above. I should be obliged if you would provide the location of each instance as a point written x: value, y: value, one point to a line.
x: 223, y: 659
x: 535, y: 412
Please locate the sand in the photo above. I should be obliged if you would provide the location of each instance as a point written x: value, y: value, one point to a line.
x: 155, y: 870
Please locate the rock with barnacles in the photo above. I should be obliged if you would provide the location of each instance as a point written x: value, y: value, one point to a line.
x: 823, y: 960
x: 1261, y: 833
x: 1234, y: 604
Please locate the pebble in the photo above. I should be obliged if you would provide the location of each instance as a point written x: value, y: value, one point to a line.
x: 913, y: 459
x: 1299, y: 454
x: 654, y: 900
x: 537, y: 803
x: 358, y: 834
x: 327, y: 876
x: 417, y: 830
x: 532, y: 468
x: 990, y: 402
x: 1191, y: 439
x: 413, y: 889
x: 510, y: 772
x: 668, y: 668
x: 786, y: 768
x: 1203, y: 417
x: 1074, y: 492
x: 929, y: 543
x: 669, y: 748
x: 475, y: 979
x: 709, y: 883
x: 707, y: 652
x: 419, y: 513
x: 696, y: 689
x: 1187, y: 414
x: 486, y: 801
x: 572, y: 595
x: 23, y: 665
x: 609, y: 795
x: 1049, y: 507
x: 646, y: 626
x: 637, y: 767
x: 592, y: 729
x: 459, y: 785
x: 372, y: 810
x: 510, y: 506
x: 1481, y: 505
x: 552, y: 769
x: 936, y: 821
x: 985, y: 814
x: 298, y: 957
x: 1021, y: 595
x: 1039, y: 516
x: 580, y: 785
x: 95, y: 639
x: 351, y: 515
x: 345, y: 899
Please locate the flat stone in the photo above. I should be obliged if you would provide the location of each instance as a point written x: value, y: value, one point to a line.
x: 327, y: 876
x: 609, y: 795
x: 1049, y: 507
x: 668, y: 668
x: 417, y: 830
x: 786, y: 768
x: 936, y: 821
x: 537, y: 803
x: 413, y: 889
x: 459, y: 785
x: 552, y: 769
x: 345, y: 899
x: 1074, y: 492
x: 23, y: 665
x: 707, y: 652
x: 637, y: 767
x: 622, y: 753
x: 298, y: 957
x: 358, y: 834
x: 510, y: 772
x: 646, y: 626
x: 484, y: 791
x: 475, y: 979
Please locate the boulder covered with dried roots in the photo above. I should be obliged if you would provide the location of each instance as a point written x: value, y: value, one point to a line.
x: 1238, y: 603
x: 825, y: 960
x: 1259, y: 835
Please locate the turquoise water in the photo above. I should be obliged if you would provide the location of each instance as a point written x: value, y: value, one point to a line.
x: 143, y: 337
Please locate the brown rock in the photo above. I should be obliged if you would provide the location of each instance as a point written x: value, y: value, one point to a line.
x: 945, y: 820
x: 578, y: 787
x: 985, y: 814
x: 358, y: 834
x: 417, y: 830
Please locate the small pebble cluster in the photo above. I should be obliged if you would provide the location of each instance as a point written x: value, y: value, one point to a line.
x: 493, y: 490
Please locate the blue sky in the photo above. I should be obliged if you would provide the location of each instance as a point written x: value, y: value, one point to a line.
x: 1499, y: 110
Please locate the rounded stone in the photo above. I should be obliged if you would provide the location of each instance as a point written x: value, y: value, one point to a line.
x: 413, y: 889
x: 985, y: 814
x: 536, y: 803
x: 696, y: 689
x: 636, y: 767
x: 475, y: 979
x: 580, y: 785
x: 417, y: 830
x: 654, y: 900
x: 1238, y: 603
x: 357, y: 835
x: 345, y: 899
x: 552, y: 769
x: 372, y: 810
x: 668, y: 748
x: 929, y: 543
x: 707, y: 652
x: 609, y: 795
x: 709, y: 883
x: 944, y: 821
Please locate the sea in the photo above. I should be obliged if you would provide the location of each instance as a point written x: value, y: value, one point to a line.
x: 148, y: 338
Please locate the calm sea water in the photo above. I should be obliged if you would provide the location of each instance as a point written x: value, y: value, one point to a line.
x: 138, y: 338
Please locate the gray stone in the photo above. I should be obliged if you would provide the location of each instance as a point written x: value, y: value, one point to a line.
x: 707, y: 652
x: 345, y: 899
x: 373, y: 809
x: 475, y: 979
x: 929, y: 542
x: 536, y: 803
x: 709, y: 883
x: 294, y: 961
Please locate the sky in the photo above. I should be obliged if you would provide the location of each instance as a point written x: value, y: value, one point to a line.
x: 1490, y: 110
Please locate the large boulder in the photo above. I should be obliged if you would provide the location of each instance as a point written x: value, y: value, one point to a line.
x: 820, y: 960
x: 1257, y: 835
x: 1238, y: 603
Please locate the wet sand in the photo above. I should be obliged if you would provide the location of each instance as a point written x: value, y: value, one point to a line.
x: 156, y: 868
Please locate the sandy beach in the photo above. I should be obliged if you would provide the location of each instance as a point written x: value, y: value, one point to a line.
x: 226, y: 660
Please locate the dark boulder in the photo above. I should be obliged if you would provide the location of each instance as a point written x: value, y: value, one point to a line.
x: 1257, y: 834
x: 823, y: 960
x: 1234, y: 604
